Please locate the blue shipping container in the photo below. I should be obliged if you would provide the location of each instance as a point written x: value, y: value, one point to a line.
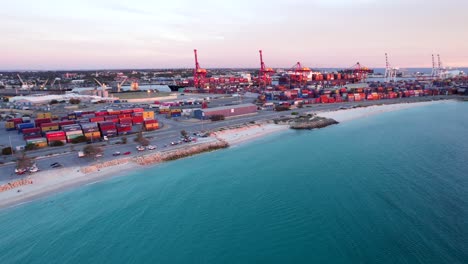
x: 23, y: 126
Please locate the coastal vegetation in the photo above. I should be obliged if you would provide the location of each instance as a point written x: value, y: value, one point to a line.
x: 74, y: 101
x: 7, y: 151
x: 23, y: 161
x: 140, y: 139
x: 56, y: 143
x: 30, y: 146
x: 80, y: 139
x: 92, y: 151
x: 217, y: 117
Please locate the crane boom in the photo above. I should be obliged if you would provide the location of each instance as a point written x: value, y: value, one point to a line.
x: 98, y: 82
x: 21, y: 80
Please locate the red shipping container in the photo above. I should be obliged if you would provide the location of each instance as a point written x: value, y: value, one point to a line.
x: 126, y: 111
x: 125, y: 115
x: 96, y: 119
x: 49, y: 124
x: 102, y: 113
x: 31, y: 130
x: 40, y: 121
x: 138, y: 110
x: 126, y: 121
x: 151, y: 121
x: 138, y: 120
x: 68, y: 122
x: 55, y: 134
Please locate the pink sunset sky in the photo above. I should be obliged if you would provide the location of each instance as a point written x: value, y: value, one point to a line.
x: 94, y: 34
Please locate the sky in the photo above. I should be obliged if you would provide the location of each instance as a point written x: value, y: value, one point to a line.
x: 139, y: 34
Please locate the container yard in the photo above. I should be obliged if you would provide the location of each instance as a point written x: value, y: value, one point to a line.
x: 44, y: 131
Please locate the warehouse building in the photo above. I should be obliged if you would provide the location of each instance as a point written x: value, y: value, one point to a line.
x: 226, y: 111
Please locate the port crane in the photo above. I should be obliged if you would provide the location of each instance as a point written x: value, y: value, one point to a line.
x: 43, y: 86
x: 390, y: 72
x: 103, y: 86
x: 199, y: 74
x: 300, y: 75
x: 119, y: 84
x: 24, y: 86
x: 359, y: 71
x: 264, y: 78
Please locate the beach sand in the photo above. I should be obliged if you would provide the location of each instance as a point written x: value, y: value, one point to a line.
x: 345, y: 115
x: 53, y: 181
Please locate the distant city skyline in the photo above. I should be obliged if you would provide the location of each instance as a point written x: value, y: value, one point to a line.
x: 145, y: 34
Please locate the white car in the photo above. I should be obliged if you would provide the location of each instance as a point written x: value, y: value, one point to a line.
x: 151, y: 147
x: 140, y: 148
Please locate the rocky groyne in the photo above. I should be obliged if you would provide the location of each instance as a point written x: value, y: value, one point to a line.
x: 15, y: 184
x: 312, y: 122
x: 158, y: 157
x: 180, y: 153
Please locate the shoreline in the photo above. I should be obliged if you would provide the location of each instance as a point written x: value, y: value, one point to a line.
x: 46, y: 183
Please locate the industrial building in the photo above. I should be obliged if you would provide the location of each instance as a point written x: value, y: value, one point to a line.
x: 226, y: 111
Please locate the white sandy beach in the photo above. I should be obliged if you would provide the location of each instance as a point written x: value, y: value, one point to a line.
x: 51, y: 181
x: 362, y: 112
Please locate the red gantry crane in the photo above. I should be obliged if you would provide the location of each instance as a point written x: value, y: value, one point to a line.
x: 360, y: 72
x: 199, y: 74
x: 264, y: 78
x: 300, y: 75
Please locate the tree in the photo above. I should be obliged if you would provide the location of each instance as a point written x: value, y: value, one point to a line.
x: 141, y: 140
x: 6, y: 151
x: 30, y: 146
x: 74, y: 101
x: 56, y: 143
x: 124, y: 140
x: 184, y: 134
x: 54, y: 101
x: 23, y: 161
x: 217, y: 117
x: 80, y: 139
x: 91, y: 151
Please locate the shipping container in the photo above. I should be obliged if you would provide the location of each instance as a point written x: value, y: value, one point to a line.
x: 123, y: 129
x: 109, y: 132
x: 126, y: 121
x: 66, y: 123
x: 97, y: 119
x: 49, y: 127
x: 93, y: 135
x: 72, y: 116
x: 126, y: 111
x: 137, y: 120
x: 101, y: 113
x: 40, y: 121
x: 147, y: 115
x: 138, y: 110
x: 44, y: 115
x: 20, y: 127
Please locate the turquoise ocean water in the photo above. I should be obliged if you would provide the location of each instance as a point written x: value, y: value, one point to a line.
x: 391, y: 188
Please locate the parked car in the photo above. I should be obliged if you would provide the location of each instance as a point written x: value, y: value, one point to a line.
x: 151, y: 147
x: 127, y: 153
x: 140, y: 148
x: 117, y: 153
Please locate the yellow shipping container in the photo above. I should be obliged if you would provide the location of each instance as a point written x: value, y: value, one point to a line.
x: 93, y: 135
x: 9, y: 125
x: 152, y: 126
x: 50, y: 128
x: 44, y: 115
x: 148, y: 115
x: 41, y: 144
